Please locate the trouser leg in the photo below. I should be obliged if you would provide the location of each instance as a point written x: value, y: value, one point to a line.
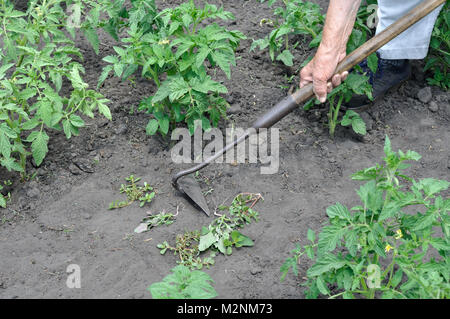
x: 412, y: 43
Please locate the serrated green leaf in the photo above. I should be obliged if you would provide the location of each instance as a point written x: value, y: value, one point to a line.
x: 321, y: 285
x: 31, y: 124
x: 111, y: 59
x: 206, y: 241
x: 340, y: 211
x: 104, y: 75
x: 67, y: 128
x: 92, y: 36
x: 358, y: 125
x: 286, y: 57
x: 325, y: 263
x: 207, y: 85
x: 183, y: 48
x: 201, y: 55
x: 311, y: 235
x: 163, y: 92
x: 2, y: 201
x: 329, y: 237
x: 372, y: 62
x: 76, y: 80
x: 387, y: 146
x: 440, y: 244
x: 10, y: 164
x: 5, y: 145
x: 397, y: 278
x: 104, y: 109
x: 164, y: 124
x: 224, y: 61
x: 45, y: 112
x: 178, y: 88
x: 152, y: 127
x: 76, y: 121
x: 431, y: 186
x: 39, y: 147
x: 351, y: 242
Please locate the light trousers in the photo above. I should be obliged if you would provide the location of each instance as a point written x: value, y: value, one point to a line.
x: 412, y: 43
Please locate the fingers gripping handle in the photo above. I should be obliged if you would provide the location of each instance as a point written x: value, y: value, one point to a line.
x: 291, y: 102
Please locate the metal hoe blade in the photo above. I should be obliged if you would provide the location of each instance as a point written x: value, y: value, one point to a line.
x: 190, y: 188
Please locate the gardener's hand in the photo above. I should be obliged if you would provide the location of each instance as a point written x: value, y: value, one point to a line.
x: 320, y: 71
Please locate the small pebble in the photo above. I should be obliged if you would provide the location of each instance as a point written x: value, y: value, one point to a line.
x: 433, y: 107
x: 425, y: 95
x: 122, y: 129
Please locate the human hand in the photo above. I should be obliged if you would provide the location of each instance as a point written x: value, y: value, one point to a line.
x: 320, y: 71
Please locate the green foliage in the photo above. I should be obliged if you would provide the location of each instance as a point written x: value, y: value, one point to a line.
x: 151, y: 221
x: 173, y: 49
x: 381, y: 248
x: 36, y: 58
x: 297, y: 17
x: 438, y: 60
x: 4, y: 198
x: 221, y: 235
x: 357, y: 83
x: 183, y: 283
x: 144, y: 194
x: 294, y: 17
x: 361, y: 32
x: 187, y: 249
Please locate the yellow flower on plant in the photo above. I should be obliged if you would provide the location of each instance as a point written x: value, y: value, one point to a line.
x: 399, y: 234
x: 165, y: 41
x: 388, y: 248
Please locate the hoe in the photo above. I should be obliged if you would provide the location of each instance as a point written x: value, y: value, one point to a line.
x: 189, y: 187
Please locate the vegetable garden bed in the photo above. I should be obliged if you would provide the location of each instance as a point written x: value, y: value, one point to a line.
x: 60, y: 216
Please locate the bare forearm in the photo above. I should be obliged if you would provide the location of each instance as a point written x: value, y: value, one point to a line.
x: 339, y: 24
x: 320, y: 70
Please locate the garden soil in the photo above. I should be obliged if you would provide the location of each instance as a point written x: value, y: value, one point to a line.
x: 61, y: 217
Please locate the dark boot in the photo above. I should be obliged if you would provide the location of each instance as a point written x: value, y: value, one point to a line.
x: 389, y: 76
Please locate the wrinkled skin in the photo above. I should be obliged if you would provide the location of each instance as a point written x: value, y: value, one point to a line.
x: 320, y: 70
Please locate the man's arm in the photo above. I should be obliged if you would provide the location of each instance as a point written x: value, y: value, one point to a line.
x: 341, y: 16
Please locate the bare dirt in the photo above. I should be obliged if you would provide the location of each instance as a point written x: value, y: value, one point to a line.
x: 62, y: 217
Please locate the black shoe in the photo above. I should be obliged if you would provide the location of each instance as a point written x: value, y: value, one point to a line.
x: 389, y: 76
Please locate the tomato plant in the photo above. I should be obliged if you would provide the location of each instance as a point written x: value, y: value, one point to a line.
x: 36, y: 58
x: 184, y: 283
x: 355, y: 84
x: 174, y: 50
x: 295, y: 17
x: 394, y: 245
x: 438, y: 60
